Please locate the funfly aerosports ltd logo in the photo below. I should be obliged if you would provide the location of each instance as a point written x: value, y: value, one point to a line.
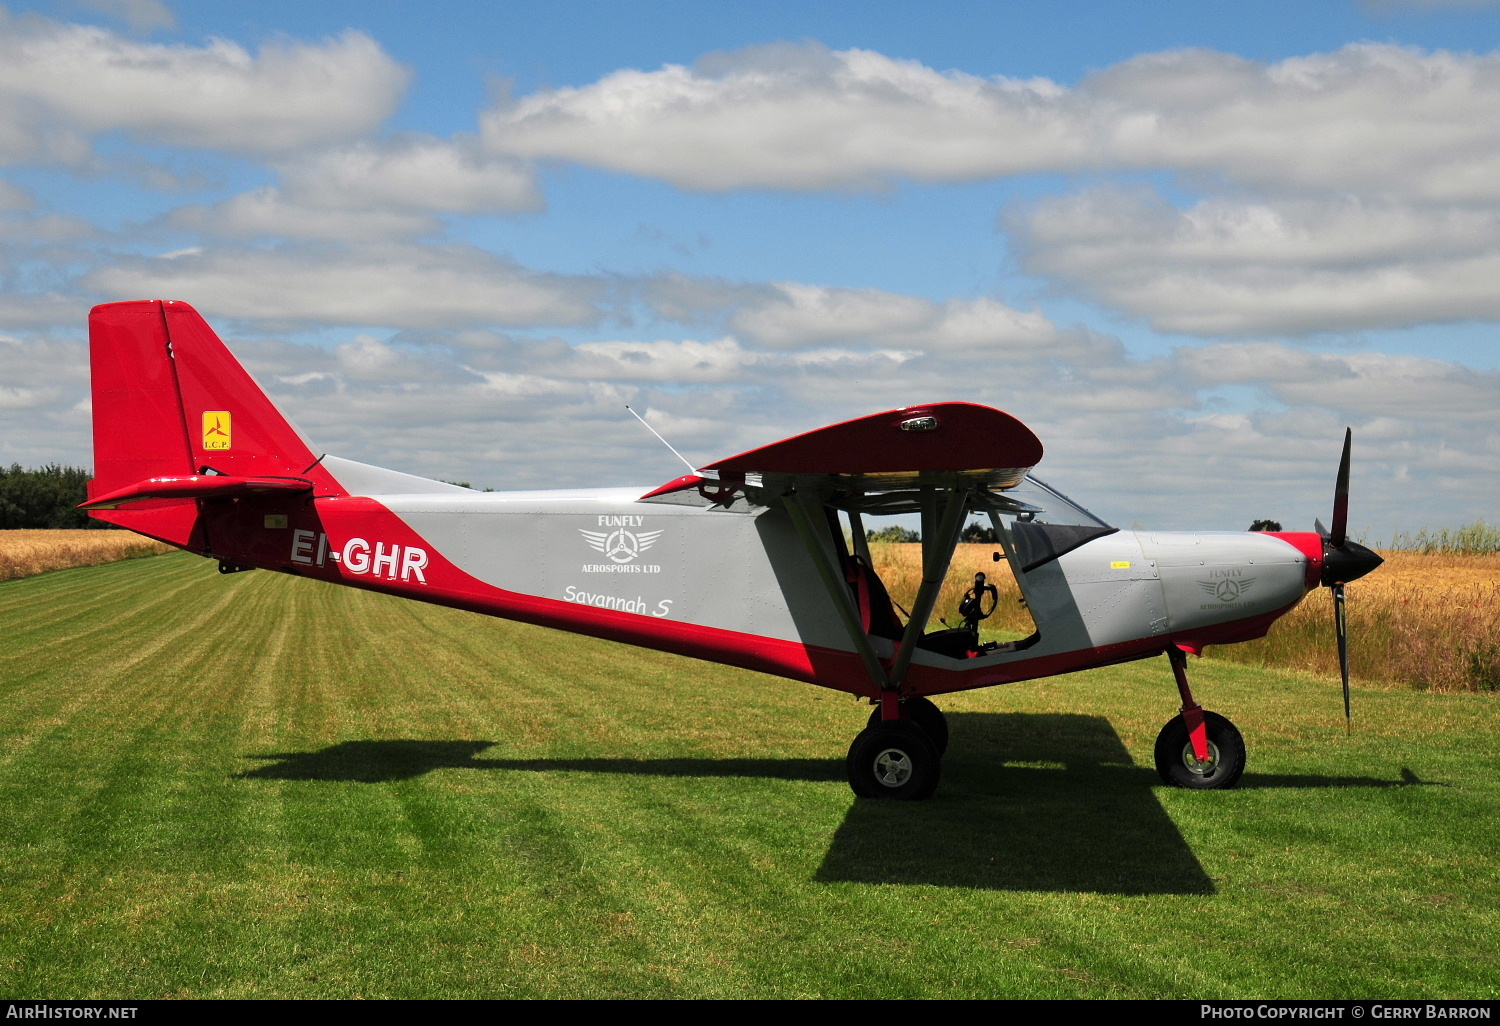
x: 621, y: 545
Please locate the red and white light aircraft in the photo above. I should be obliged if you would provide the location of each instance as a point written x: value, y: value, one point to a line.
x: 743, y: 562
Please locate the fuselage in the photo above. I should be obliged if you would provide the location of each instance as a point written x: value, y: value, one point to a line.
x: 736, y: 585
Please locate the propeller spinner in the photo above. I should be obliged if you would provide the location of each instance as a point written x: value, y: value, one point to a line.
x: 1343, y: 561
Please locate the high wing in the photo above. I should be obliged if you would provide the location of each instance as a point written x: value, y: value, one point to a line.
x: 876, y: 464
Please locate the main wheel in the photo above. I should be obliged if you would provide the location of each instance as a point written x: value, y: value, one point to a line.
x: 925, y: 715
x: 1178, y: 765
x: 894, y: 760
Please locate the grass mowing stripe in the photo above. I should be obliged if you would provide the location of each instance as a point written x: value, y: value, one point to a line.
x: 254, y: 785
x: 92, y: 646
x: 62, y: 599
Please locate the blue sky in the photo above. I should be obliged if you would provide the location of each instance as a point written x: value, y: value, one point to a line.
x: 1186, y: 242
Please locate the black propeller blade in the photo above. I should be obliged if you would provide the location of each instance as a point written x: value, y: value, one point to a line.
x: 1341, y: 627
x: 1339, y: 534
x: 1343, y: 561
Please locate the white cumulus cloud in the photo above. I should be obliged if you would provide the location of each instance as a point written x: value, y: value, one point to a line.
x: 61, y: 83
x: 1367, y: 116
x: 1230, y: 266
x: 382, y: 285
x: 1350, y: 189
x: 796, y: 117
x: 413, y: 173
x: 796, y: 315
x: 367, y: 191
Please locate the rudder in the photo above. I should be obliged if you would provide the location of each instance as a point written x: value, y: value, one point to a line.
x: 139, y: 430
x: 171, y: 401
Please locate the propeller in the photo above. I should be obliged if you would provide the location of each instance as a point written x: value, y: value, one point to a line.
x: 1343, y: 561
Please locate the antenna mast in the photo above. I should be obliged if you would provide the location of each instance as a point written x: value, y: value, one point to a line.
x: 692, y: 469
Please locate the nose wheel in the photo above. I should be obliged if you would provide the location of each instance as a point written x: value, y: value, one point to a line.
x: 1200, y: 750
x: 1180, y: 766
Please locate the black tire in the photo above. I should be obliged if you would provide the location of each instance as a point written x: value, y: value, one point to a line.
x: 925, y: 715
x: 1177, y: 766
x: 894, y: 760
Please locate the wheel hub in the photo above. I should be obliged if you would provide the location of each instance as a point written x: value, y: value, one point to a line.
x: 1201, y: 769
x: 893, y: 767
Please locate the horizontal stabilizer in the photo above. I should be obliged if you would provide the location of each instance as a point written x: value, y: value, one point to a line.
x: 197, y: 486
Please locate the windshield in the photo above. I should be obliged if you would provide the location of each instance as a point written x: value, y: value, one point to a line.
x: 1056, y: 508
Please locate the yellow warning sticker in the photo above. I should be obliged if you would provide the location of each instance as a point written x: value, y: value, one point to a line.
x: 1120, y: 564
x: 216, y: 429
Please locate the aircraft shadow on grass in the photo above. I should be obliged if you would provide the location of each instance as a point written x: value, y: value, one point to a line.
x: 1029, y: 802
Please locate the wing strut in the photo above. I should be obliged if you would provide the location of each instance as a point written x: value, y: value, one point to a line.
x: 838, y: 590
x: 943, y: 511
x: 939, y: 539
x: 857, y: 532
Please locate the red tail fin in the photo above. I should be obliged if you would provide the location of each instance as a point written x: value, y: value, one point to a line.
x: 170, y: 400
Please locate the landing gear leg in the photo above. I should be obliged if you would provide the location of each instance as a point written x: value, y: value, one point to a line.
x: 1192, y: 712
x: 1199, y: 749
x: 924, y: 714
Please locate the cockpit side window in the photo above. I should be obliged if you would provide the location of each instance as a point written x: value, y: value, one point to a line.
x: 1003, y: 620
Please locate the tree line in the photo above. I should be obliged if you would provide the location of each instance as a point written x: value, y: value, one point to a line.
x: 896, y: 533
x: 44, y: 497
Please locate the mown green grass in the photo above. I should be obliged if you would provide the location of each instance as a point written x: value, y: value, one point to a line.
x: 260, y: 786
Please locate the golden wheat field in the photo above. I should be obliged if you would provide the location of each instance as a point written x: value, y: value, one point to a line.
x: 23, y: 552
x: 899, y: 565
x: 1429, y: 621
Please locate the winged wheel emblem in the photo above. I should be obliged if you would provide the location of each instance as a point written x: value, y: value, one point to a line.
x: 621, y: 546
x: 1228, y: 589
